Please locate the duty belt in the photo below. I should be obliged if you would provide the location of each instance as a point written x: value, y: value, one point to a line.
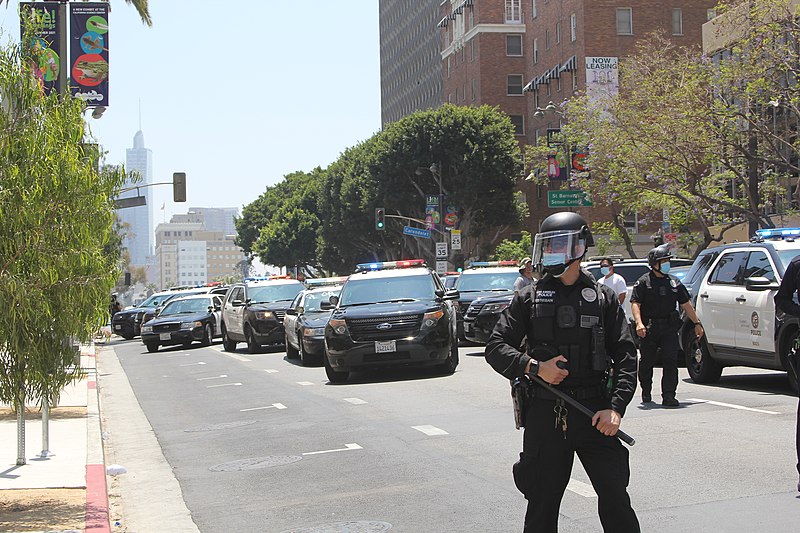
x: 660, y: 321
x: 579, y: 394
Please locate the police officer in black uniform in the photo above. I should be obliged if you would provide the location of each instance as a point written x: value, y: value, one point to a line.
x: 577, y: 337
x: 784, y: 300
x: 655, y: 313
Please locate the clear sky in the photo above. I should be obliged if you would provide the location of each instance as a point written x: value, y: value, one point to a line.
x: 237, y: 94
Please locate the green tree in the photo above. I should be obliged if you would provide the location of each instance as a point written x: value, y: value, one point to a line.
x: 509, y: 250
x: 56, y: 233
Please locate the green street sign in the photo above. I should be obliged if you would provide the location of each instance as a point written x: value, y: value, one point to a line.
x: 569, y: 199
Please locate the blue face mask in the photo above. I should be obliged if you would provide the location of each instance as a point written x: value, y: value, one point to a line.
x: 605, y: 270
x: 665, y: 267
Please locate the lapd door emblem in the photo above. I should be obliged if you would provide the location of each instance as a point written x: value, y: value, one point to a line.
x: 754, y: 320
x: 383, y: 326
x: 589, y: 294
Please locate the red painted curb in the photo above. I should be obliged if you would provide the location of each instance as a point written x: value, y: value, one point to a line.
x: 96, y: 499
x: 91, y: 384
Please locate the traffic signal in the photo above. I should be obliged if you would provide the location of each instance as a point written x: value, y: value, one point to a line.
x: 380, y: 219
x: 179, y: 186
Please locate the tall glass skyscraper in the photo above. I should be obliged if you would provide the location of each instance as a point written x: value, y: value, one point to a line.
x: 138, y: 221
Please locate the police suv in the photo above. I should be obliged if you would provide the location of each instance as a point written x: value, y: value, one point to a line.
x: 391, y: 313
x: 483, y: 278
x: 734, y: 301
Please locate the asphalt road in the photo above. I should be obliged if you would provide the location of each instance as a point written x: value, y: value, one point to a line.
x: 260, y: 443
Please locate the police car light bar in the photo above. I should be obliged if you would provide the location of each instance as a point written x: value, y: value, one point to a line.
x: 321, y: 282
x: 483, y: 264
x: 775, y: 233
x: 390, y: 264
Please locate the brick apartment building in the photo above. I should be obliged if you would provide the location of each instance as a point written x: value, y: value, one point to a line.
x: 522, y: 54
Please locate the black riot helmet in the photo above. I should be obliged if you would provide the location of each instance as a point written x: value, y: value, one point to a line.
x: 658, y: 254
x: 562, y: 240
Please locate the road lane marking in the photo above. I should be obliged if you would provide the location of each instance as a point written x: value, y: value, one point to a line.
x: 305, y: 383
x: 274, y: 405
x: 234, y: 356
x: 224, y: 385
x: 179, y: 354
x: 193, y: 364
x: 270, y: 371
x: 355, y: 401
x: 430, y: 430
x: 733, y: 406
x: 347, y: 447
x: 582, y: 489
x: 213, y: 377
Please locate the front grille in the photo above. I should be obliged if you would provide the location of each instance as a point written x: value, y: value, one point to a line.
x: 367, y: 329
x: 166, y: 327
x: 473, y: 311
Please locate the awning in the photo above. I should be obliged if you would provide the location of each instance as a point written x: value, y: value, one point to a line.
x: 457, y: 11
x: 444, y: 22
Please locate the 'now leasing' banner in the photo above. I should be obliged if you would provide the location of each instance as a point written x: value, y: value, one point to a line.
x: 46, y: 54
x: 89, y: 52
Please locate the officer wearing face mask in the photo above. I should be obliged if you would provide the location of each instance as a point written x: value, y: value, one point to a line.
x: 576, y: 339
x: 654, y: 305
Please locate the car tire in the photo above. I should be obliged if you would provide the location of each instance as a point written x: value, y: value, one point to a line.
x: 451, y: 363
x: 227, y: 344
x: 291, y: 351
x: 333, y: 375
x: 152, y: 347
x: 701, y: 366
x: 252, y: 346
x: 127, y: 337
x: 208, y: 335
x: 305, y: 357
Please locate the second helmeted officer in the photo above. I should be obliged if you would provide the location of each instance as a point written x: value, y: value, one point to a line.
x: 578, y: 341
x: 654, y: 306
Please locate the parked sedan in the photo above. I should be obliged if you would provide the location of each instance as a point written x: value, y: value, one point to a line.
x: 183, y: 321
x: 304, y: 324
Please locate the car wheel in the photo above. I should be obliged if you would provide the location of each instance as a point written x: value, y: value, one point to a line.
x: 252, y: 345
x: 450, y: 364
x: 291, y: 352
x: 333, y: 375
x: 208, y: 335
x: 227, y: 344
x: 152, y: 347
x: 305, y: 357
x: 127, y: 337
x: 701, y: 366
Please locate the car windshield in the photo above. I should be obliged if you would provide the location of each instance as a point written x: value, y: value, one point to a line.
x: 313, y: 300
x: 488, y: 281
x: 273, y: 293
x: 406, y: 288
x: 181, y: 307
x: 155, y: 300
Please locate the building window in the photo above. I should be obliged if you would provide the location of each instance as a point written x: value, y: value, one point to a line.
x: 630, y: 221
x: 166, y: 234
x: 473, y: 53
x: 624, y: 21
x: 677, y: 21
x: 448, y: 66
x: 513, y: 11
x: 519, y: 124
x: 573, y: 27
x: 558, y: 85
x: 514, y: 85
x: 514, y: 45
x: 535, y: 51
x: 574, y: 81
x: 533, y: 9
x: 474, y: 89
x: 558, y: 32
x: 547, y: 39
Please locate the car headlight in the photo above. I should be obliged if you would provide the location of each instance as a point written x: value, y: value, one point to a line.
x: 147, y: 329
x: 191, y: 325
x: 264, y: 315
x: 338, y: 325
x: 495, y: 308
x: 430, y: 319
x: 313, y: 332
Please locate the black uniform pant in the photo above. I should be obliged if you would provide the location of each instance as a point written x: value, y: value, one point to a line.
x: 666, y: 338
x: 546, y: 464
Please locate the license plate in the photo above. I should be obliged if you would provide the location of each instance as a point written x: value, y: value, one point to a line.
x: 118, y: 326
x: 165, y: 336
x: 385, y: 346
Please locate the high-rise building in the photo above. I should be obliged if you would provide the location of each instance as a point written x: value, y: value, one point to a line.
x: 137, y: 221
x: 218, y: 218
x: 411, y: 67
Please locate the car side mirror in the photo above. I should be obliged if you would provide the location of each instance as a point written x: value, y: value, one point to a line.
x: 759, y: 283
x: 291, y: 311
x: 452, y: 294
x: 334, y: 300
x: 237, y: 303
x: 326, y: 306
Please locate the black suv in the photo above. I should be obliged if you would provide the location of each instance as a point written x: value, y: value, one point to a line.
x: 127, y: 323
x: 253, y: 312
x: 484, y: 278
x: 393, y: 313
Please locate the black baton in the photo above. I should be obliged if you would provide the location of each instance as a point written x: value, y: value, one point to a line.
x: 621, y: 435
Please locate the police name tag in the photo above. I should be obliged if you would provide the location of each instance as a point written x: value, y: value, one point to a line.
x: 385, y: 346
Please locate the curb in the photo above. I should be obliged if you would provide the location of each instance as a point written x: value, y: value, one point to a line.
x: 97, y: 515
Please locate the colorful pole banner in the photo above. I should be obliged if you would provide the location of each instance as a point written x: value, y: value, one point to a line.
x: 46, y: 53
x: 89, y: 52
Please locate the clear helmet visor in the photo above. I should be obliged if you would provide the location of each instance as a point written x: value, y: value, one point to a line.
x: 556, y: 250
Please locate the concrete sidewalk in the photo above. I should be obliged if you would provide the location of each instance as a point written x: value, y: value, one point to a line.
x: 75, y: 446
